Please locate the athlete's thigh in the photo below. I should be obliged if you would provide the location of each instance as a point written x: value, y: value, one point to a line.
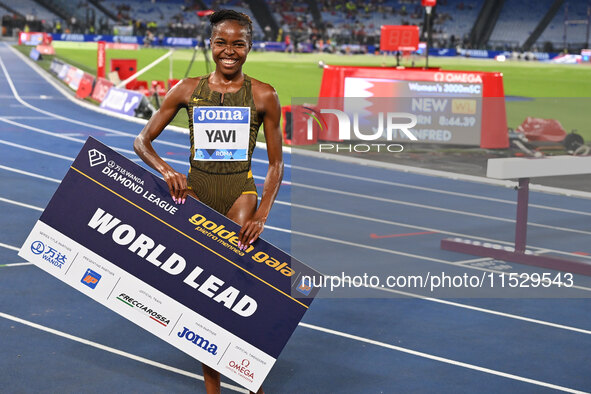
x: 243, y: 208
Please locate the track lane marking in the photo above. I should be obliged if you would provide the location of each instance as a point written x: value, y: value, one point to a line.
x: 3, y: 245
x: 434, y: 208
x: 376, y: 236
x: 22, y: 172
x: 351, y: 194
x: 440, y: 359
x: 16, y: 264
x: 113, y: 350
x: 21, y: 204
x: 305, y: 325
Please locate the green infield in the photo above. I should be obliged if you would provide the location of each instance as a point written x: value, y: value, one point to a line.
x: 534, y: 89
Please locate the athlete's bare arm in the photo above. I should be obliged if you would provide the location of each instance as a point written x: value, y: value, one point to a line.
x: 267, y: 104
x: 177, y: 98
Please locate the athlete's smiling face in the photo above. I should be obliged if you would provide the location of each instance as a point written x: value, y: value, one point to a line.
x: 230, y: 44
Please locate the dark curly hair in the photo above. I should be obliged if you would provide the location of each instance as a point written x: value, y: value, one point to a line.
x: 224, y: 15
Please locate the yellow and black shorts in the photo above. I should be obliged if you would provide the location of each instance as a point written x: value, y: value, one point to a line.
x: 220, y: 191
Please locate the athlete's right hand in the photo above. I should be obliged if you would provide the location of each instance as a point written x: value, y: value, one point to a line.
x: 177, y: 184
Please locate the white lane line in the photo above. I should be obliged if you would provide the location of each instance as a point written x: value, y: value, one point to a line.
x: 394, y: 252
x: 440, y: 191
x: 423, y: 228
x: 114, y: 351
x: 488, y: 311
x: 359, y: 162
x: 15, y: 264
x: 78, y: 140
x: 476, y: 260
x: 305, y: 325
x: 43, y: 152
x: 29, y: 174
x: 66, y: 119
x: 440, y: 359
x: 42, y: 131
x: 31, y: 117
x: 3, y: 245
x: 21, y: 204
x: 434, y: 208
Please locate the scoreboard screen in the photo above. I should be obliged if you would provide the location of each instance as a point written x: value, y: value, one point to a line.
x: 399, y: 38
x: 451, y: 107
x: 447, y: 112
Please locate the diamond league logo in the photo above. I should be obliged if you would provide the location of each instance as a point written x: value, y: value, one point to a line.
x: 95, y: 157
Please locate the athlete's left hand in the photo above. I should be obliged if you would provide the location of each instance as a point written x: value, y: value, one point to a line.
x: 250, y: 231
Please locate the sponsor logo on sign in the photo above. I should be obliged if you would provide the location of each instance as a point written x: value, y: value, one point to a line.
x: 49, y: 254
x: 179, y: 41
x: 242, y: 368
x: 95, y: 157
x: 140, y: 307
x: 91, y: 278
x: 457, y: 77
x: 220, y: 114
x: 305, y: 286
x: 219, y: 233
x: 72, y: 37
x: 198, y: 341
x: 126, y: 39
x: 101, y: 88
x: 122, y: 101
x: 37, y: 247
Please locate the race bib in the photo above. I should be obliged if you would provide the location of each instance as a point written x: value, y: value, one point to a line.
x: 221, y: 133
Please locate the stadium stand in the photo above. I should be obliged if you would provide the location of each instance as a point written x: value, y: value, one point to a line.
x: 20, y: 15
x: 170, y: 17
x: 79, y: 17
x: 453, y: 21
x: 172, y: 13
x: 292, y: 16
x: 320, y: 25
x: 31, y: 10
x: 517, y: 21
x: 576, y: 34
x: 359, y: 21
x: 239, y: 6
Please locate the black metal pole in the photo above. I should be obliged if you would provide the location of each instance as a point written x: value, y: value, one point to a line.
x: 428, y: 10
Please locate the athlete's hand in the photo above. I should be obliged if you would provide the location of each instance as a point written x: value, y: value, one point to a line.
x: 250, y: 231
x: 177, y: 184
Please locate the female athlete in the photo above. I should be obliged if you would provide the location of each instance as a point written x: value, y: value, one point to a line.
x: 220, y: 174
